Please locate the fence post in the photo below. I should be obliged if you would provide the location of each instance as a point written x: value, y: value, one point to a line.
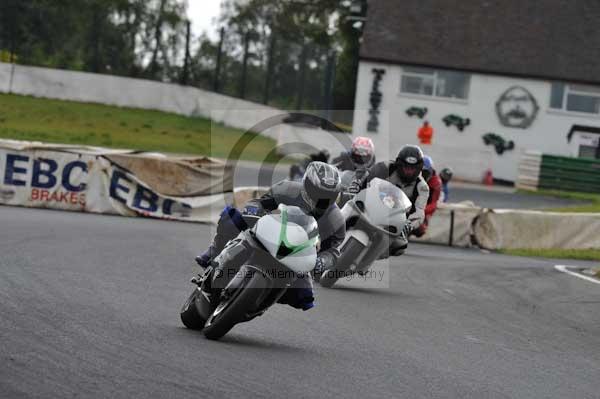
x: 303, y: 56
x: 451, y: 237
x: 270, y: 68
x: 218, y: 66
x: 244, y: 66
x: 186, y: 62
x: 328, y: 87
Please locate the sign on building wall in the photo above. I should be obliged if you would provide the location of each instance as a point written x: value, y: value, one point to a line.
x: 375, y: 100
x: 517, y: 108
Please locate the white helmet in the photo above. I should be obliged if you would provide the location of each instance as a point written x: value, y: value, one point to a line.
x: 362, y: 151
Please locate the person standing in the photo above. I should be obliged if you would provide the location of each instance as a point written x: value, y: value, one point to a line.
x: 425, y: 133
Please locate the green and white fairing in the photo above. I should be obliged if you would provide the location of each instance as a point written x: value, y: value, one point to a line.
x: 290, y: 236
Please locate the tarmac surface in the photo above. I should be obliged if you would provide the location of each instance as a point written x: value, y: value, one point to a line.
x: 89, y: 308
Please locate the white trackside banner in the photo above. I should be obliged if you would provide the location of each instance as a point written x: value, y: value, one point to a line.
x: 90, y: 182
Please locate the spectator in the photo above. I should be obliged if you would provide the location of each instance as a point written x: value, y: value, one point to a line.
x: 425, y: 133
x: 446, y: 176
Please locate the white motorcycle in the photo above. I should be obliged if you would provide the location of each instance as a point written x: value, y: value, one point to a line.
x: 375, y: 217
x: 257, y: 268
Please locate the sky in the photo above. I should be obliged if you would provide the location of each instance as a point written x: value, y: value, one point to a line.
x: 202, y: 13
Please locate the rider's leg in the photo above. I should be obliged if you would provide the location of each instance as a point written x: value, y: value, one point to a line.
x: 229, y: 226
x: 300, y: 295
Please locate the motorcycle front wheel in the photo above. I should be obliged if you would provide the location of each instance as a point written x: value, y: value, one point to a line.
x: 190, y: 317
x: 234, y: 308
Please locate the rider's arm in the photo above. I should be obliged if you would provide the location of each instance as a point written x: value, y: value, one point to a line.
x: 435, y: 189
x: 380, y: 170
x: 338, y: 161
x: 269, y: 201
x: 418, y: 216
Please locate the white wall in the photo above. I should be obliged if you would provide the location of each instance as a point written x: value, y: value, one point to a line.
x: 5, y: 70
x: 465, y: 151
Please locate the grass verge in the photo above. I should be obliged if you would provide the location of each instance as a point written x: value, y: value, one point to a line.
x: 67, y: 122
x: 592, y: 204
x: 577, y: 254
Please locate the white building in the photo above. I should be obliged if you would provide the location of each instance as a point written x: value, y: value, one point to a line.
x: 522, y: 75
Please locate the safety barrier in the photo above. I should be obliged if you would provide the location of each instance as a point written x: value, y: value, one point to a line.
x: 542, y: 171
x: 120, y: 182
x: 466, y: 225
x: 452, y: 225
x: 512, y: 229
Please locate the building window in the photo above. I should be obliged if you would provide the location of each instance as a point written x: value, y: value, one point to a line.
x: 575, y: 98
x: 436, y: 83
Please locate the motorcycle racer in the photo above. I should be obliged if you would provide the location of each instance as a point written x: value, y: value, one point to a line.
x: 316, y: 195
x: 405, y: 173
x: 435, y: 188
x: 360, y: 156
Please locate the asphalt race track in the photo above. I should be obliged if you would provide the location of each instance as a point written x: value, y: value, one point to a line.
x: 89, y: 308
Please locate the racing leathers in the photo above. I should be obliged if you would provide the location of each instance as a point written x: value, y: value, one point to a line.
x: 332, y: 230
x: 345, y: 162
x: 417, y: 192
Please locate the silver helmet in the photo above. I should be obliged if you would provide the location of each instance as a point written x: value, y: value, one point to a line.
x: 321, y: 185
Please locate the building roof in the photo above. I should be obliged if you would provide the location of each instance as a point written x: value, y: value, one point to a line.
x: 549, y: 39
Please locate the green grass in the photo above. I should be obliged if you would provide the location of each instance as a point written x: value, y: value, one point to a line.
x: 592, y: 206
x: 66, y: 122
x: 578, y: 254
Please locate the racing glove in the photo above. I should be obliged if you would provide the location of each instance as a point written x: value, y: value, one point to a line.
x: 408, y: 228
x: 325, y: 260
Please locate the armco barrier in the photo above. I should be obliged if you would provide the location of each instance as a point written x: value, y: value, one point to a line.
x: 98, y: 180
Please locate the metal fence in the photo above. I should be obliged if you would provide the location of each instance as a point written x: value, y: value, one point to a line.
x: 551, y: 172
x: 278, y: 72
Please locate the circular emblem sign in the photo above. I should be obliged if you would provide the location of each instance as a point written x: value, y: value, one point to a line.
x: 517, y: 108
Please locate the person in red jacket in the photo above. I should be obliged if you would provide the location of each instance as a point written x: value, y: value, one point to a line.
x: 435, y: 189
x: 425, y: 133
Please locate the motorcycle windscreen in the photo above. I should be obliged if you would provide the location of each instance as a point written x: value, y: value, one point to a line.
x: 291, y: 237
x: 390, y: 195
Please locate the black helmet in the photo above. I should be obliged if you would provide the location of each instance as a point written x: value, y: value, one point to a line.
x: 322, y: 185
x: 409, y: 163
x: 446, y: 174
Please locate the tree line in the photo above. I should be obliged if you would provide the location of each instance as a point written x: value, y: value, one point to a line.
x: 274, y: 51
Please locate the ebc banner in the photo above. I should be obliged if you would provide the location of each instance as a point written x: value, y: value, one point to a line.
x: 92, y: 183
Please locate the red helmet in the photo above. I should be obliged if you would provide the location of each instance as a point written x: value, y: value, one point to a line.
x: 362, y: 151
